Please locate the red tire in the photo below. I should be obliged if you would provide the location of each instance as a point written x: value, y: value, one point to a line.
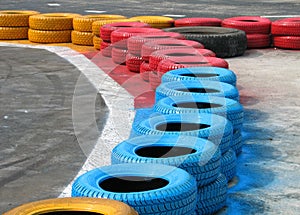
x: 106, y: 30
x: 258, y: 41
x: 154, y: 80
x: 118, y: 55
x: 184, y: 62
x: 152, y: 46
x: 288, y: 26
x: 133, y: 62
x: 106, y: 49
x: 119, y: 37
x: 160, y: 55
x: 135, y: 43
x: 249, y: 24
x: 287, y: 42
x: 198, y: 21
x: 145, y: 71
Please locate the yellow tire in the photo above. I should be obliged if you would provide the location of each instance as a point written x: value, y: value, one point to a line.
x: 52, y: 21
x: 82, y: 38
x: 84, y: 23
x: 15, y: 18
x: 98, y: 24
x: 156, y: 21
x: 93, y: 205
x: 97, y: 42
x: 38, y: 36
x: 13, y: 33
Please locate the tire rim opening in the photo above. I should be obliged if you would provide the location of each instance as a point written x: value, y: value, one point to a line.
x: 198, y: 90
x: 128, y: 184
x: 180, y: 54
x: 157, y: 37
x: 196, y: 105
x: 163, y: 151
x: 199, y: 75
x: 181, y: 126
x: 193, y: 63
x: 248, y: 20
x: 70, y: 213
x: 172, y: 44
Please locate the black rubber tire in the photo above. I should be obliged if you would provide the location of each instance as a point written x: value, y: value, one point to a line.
x: 225, y: 42
x: 201, y: 73
x: 212, y: 197
x: 208, y: 126
x: 229, y: 164
x: 148, y: 188
x: 199, y: 157
x: 237, y: 142
x: 188, y: 88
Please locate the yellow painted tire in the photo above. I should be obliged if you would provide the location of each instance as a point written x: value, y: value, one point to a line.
x: 13, y: 33
x: 98, y: 24
x: 97, y: 42
x: 52, y: 21
x: 38, y: 36
x: 94, y: 205
x: 82, y: 38
x: 16, y: 18
x: 156, y: 21
x: 84, y: 23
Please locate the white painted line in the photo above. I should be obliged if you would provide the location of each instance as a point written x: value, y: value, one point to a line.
x: 53, y: 4
x: 95, y: 11
x: 175, y: 15
x: 281, y: 16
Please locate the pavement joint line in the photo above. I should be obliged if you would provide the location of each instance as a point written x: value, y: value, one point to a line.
x: 110, y: 92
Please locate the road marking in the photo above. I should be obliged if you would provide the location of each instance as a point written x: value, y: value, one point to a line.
x: 95, y: 11
x: 53, y: 4
x: 175, y: 15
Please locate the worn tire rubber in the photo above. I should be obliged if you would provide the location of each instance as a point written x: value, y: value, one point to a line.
x: 39, y: 36
x: 287, y: 42
x: 96, y: 26
x: 197, y: 21
x: 97, y: 42
x: 82, y: 38
x: 156, y: 21
x: 13, y: 33
x: 148, y: 188
x: 229, y: 164
x: 15, y: 18
x: 61, y: 205
x: 287, y: 27
x: 258, y: 41
x: 201, y: 73
x: 225, y: 42
x: 189, y: 88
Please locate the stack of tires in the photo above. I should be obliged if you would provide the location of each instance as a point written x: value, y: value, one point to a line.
x: 14, y: 24
x: 257, y: 29
x: 286, y: 33
x: 51, y: 27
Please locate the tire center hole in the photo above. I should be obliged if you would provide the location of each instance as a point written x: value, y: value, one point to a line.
x: 196, y: 105
x: 192, y: 63
x: 180, y: 126
x: 163, y: 151
x: 248, y: 20
x: 172, y: 44
x: 71, y: 213
x: 200, y: 75
x: 198, y: 90
x: 180, y: 54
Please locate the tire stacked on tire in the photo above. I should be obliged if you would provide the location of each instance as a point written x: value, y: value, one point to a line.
x: 156, y: 21
x: 198, y: 21
x: 257, y: 29
x: 14, y: 24
x: 286, y: 33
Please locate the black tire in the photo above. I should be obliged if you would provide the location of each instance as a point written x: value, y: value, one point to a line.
x: 208, y: 126
x: 228, y: 164
x: 189, y: 88
x: 237, y: 141
x: 212, y: 197
x: 225, y: 42
x: 201, y: 73
x: 148, y: 188
x: 199, y: 157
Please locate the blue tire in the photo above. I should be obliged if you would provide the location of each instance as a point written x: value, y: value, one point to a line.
x: 148, y: 188
x: 208, y: 126
x: 237, y: 141
x: 199, y: 157
x: 201, y: 73
x: 197, y: 87
x: 229, y: 164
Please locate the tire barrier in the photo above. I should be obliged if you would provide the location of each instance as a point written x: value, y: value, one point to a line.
x: 228, y: 164
x: 13, y: 33
x: 74, y: 206
x: 41, y: 36
x: 198, y: 21
x: 118, y: 55
x: 148, y: 188
x: 97, y: 42
x: 133, y: 62
x: 82, y: 38
x: 106, y: 49
x: 96, y: 26
x: 156, y: 21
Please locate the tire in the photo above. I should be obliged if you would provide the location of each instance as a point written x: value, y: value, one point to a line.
x: 16, y: 18
x: 190, y: 88
x: 106, y: 30
x: 152, y: 46
x: 82, y: 38
x: 208, y: 126
x: 154, y: 80
x: 97, y: 42
x: 160, y: 55
x: 156, y: 21
x: 287, y: 42
x: 52, y: 21
x: 199, y: 157
x: 67, y: 205
x: 225, y: 42
x: 38, y: 36
x: 228, y: 164
x: 106, y: 49
x: 133, y: 62
x: 135, y: 43
x: 287, y: 27
x: 198, y: 21
x: 119, y: 37
x: 212, y: 197
x: 145, y: 71
x: 148, y: 188
x: 118, y: 55
x: 201, y: 73
x: 84, y: 23
x: 13, y: 33
x: 237, y: 142
x: 258, y: 41
x: 96, y: 26
x: 249, y: 24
